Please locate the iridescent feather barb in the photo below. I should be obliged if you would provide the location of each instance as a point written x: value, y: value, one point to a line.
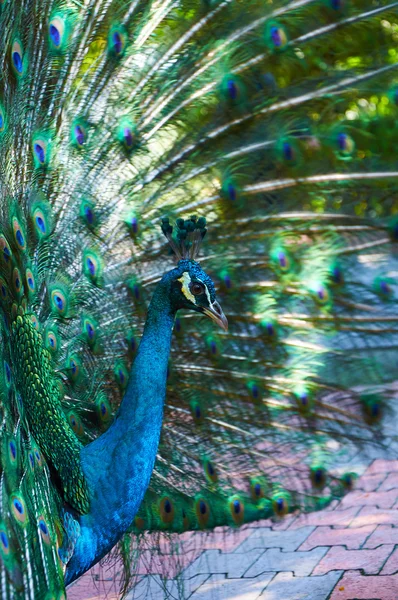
x: 279, y: 122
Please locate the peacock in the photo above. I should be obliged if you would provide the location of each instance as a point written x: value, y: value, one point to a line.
x: 198, y: 268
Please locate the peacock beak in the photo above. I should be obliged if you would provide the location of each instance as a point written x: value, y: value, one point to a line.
x: 216, y: 314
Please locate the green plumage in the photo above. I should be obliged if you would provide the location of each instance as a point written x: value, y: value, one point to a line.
x: 278, y: 122
x: 34, y: 377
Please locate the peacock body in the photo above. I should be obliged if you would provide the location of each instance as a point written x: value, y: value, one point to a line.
x: 278, y: 121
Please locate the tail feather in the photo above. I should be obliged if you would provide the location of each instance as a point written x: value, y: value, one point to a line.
x: 277, y: 121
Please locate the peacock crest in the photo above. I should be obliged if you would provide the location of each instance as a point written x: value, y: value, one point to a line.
x: 129, y: 411
x: 187, y: 238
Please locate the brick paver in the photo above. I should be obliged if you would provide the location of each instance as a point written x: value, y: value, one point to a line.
x: 218, y: 587
x: 349, y: 551
x: 379, y: 499
x: 285, y: 586
x: 381, y: 465
x: 265, y: 537
x: 370, y: 515
x: 340, y: 518
x: 154, y: 588
x: 354, y: 585
x: 391, y: 566
x: 231, y: 564
x: 352, y: 539
x: 98, y: 583
x: 300, y: 563
x: 389, y: 483
x: 370, y: 561
x: 383, y: 534
x: 370, y: 482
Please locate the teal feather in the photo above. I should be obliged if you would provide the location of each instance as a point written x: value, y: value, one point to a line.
x: 278, y: 123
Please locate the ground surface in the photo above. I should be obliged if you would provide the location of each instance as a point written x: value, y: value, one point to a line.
x: 346, y: 552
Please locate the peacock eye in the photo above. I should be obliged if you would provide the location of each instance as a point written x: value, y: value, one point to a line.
x: 197, y: 288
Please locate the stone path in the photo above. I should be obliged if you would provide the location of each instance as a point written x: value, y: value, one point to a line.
x: 346, y: 552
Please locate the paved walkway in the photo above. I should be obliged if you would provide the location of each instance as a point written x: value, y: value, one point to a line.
x: 346, y: 552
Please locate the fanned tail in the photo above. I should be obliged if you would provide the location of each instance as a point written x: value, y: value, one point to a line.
x: 276, y: 122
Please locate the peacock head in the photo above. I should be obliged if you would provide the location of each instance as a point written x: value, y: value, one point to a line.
x: 191, y: 287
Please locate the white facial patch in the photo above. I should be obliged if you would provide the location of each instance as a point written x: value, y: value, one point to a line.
x: 185, y: 282
x: 207, y: 295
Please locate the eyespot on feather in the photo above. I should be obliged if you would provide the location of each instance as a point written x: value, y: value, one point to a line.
x: 38, y: 457
x: 319, y: 292
x: 226, y: 280
x: 135, y: 290
x: 348, y: 480
x: 56, y: 29
x: 166, y: 510
x: 19, y: 234
x: 117, y: 41
x: 17, y: 282
x: 318, y: 476
x: 59, y: 31
x: 254, y: 391
x: 281, y: 503
x: 103, y: 408
x: 41, y: 147
x: 4, y: 292
x: 213, y: 345
x: 236, y: 509
x: 345, y: 146
x: 202, y: 511
x: 275, y: 36
x: 59, y: 300
x: 280, y: 259
x: 88, y: 213
x: 7, y: 374
x: 210, y: 471
x: 5, y: 545
x: 230, y: 191
x: 12, y: 452
x: 258, y: 489
x: 41, y: 218
x: 44, y: 531
x: 30, y: 282
x: 92, y: 265
x: 121, y: 374
x: 31, y: 461
x: 127, y: 135
x: 89, y: 330
x: 18, y: 509
x: 5, y: 250
x: 372, y: 408
x: 383, y: 287
x: 18, y: 61
x: 35, y: 322
x: 132, y: 345
x: 2, y: 119
x: 269, y: 327
x: 304, y: 399
x: 52, y: 340
x: 76, y: 423
x: 197, y: 412
x: 288, y: 152
x: 233, y: 89
x: 79, y: 133
x: 132, y: 223
x: 73, y: 368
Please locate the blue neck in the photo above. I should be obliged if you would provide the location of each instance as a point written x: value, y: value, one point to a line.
x: 118, y: 465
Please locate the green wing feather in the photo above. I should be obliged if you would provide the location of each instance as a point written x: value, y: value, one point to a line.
x: 277, y: 122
